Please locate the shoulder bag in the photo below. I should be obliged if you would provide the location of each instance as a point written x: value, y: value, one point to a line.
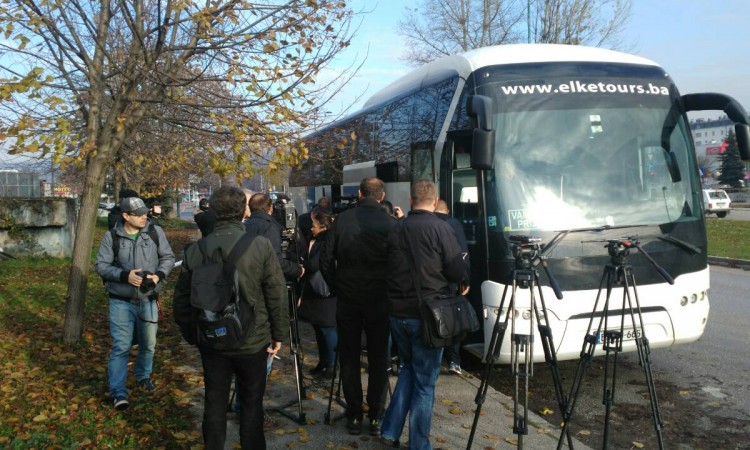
x: 447, y: 320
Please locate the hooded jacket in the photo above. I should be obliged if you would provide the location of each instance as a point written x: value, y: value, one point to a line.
x: 142, y: 253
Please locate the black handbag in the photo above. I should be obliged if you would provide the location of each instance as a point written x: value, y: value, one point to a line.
x: 318, y: 284
x: 446, y: 320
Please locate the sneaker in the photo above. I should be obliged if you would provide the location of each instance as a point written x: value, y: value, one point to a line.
x: 374, y: 427
x: 454, y: 368
x: 146, y: 385
x: 270, y: 423
x: 121, y: 403
x: 354, y: 426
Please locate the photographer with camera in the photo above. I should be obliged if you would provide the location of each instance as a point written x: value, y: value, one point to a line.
x: 262, y: 223
x: 134, y: 261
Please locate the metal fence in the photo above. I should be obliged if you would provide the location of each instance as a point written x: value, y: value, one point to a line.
x: 739, y: 195
x: 19, y: 184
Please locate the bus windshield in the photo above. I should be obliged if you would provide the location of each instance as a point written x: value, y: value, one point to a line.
x: 577, y: 151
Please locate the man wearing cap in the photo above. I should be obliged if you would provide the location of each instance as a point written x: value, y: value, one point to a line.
x: 134, y: 261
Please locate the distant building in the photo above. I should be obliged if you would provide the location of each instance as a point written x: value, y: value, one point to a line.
x: 709, y: 135
x: 19, y: 184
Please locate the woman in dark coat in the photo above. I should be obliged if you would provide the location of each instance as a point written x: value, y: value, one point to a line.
x: 317, y: 305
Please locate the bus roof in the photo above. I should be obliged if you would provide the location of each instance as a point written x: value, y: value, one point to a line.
x: 464, y: 64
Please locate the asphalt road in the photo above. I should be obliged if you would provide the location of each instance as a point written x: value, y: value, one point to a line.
x: 737, y: 214
x: 718, y: 362
x: 702, y: 387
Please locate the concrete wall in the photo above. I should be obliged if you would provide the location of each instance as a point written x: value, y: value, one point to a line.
x: 37, y: 226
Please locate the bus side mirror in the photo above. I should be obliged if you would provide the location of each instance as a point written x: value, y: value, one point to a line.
x: 742, y: 132
x: 483, y: 141
x: 733, y: 110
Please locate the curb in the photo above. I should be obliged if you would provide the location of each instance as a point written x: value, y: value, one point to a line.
x: 743, y: 264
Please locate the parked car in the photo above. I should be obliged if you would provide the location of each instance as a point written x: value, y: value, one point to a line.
x: 717, y: 202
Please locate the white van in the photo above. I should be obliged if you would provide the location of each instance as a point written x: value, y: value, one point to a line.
x: 717, y: 201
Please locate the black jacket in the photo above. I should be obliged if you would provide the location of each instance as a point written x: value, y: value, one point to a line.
x: 206, y: 221
x: 315, y: 308
x: 261, y: 223
x: 355, y: 257
x: 261, y: 285
x: 438, y: 258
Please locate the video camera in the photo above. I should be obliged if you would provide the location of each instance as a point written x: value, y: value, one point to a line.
x: 525, y: 249
x: 285, y: 213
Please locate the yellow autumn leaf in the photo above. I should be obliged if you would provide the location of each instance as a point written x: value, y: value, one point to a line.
x: 545, y: 411
x: 40, y: 418
x: 492, y: 437
x: 447, y: 402
x: 637, y: 445
x: 584, y: 433
x: 455, y: 411
x: 512, y: 441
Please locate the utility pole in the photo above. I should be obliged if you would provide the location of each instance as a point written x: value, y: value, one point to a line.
x: 528, y: 21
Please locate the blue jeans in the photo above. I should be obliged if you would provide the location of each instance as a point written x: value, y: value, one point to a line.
x: 326, y: 337
x: 415, y: 389
x: 125, y: 320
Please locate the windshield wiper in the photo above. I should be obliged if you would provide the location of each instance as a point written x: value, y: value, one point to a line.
x: 548, y: 247
x: 680, y: 243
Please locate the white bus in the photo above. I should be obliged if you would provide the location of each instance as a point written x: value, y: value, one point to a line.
x: 563, y: 143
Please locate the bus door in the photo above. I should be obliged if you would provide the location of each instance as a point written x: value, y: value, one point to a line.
x: 459, y: 188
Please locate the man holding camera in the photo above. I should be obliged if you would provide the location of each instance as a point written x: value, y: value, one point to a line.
x: 262, y: 223
x: 134, y: 268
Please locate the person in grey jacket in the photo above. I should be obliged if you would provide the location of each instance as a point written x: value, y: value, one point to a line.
x: 133, y: 275
x: 262, y: 286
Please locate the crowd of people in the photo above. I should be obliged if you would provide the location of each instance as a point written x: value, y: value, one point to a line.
x: 360, y: 275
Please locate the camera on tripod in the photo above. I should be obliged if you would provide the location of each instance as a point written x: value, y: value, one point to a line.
x: 619, y: 247
x: 525, y: 249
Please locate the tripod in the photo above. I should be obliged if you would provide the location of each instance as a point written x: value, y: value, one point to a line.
x: 328, y: 419
x: 295, y: 348
x: 527, y: 257
x: 617, y: 273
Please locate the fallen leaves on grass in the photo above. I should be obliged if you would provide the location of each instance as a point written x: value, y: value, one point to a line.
x: 56, y: 396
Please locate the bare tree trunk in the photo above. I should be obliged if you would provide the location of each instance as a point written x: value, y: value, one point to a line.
x: 75, y: 299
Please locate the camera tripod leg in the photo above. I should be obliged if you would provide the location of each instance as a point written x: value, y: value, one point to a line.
x: 644, y: 352
x: 295, y: 348
x: 328, y: 418
x: 522, y: 343
x: 493, y: 348
x: 587, y: 354
x: 550, y: 355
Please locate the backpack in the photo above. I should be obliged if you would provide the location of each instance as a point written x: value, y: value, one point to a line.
x: 223, y: 321
x: 116, y: 241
